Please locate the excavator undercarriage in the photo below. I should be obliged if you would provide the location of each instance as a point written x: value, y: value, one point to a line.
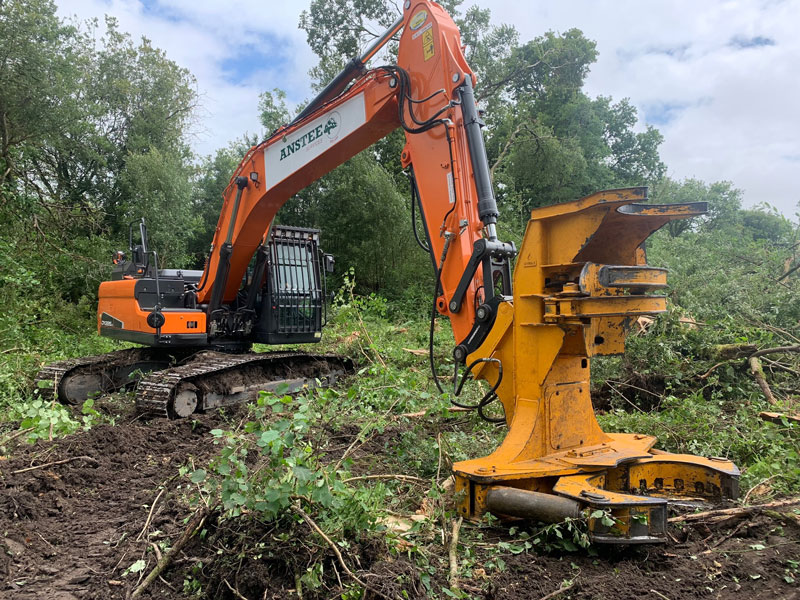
x: 176, y: 383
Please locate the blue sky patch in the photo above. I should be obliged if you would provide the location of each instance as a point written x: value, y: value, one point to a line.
x: 155, y: 8
x: 663, y: 113
x: 251, y: 59
x: 742, y: 42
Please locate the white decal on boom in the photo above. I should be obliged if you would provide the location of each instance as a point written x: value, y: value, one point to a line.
x: 299, y: 148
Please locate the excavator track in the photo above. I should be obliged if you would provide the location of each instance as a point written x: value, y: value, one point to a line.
x: 214, y: 379
x: 74, y: 380
x: 175, y: 383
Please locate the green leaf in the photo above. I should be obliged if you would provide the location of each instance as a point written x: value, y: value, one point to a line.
x: 137, y: 567
x: 607, y: 521
x: 198, y: 476
x: 303, y: 474
x: 268, y: 437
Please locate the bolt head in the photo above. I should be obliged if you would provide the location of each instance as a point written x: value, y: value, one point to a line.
x: 408, y: 4
x: 453, y: 306
x: 456, y: 77
x: 393, y: 82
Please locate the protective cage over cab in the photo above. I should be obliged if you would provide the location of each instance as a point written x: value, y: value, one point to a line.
x: 292, y: 303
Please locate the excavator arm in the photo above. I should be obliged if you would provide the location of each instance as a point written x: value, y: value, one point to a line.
x: 429, y: 94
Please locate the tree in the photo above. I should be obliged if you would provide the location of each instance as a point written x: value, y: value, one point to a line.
x: 213, y: 176
x: 92, y: 138
x: 273, y: 112
x: 40, y: 65
x: 547, y: 140
x: 724, y: 202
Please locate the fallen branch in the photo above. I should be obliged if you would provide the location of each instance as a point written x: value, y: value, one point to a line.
x: 422, y: 413
x: 789, y: 272
x: 52, y: 464
x: 234, y: 591
x: 777, y: 418
x: 388, y: 476
x: 559, y: 591
x: 777, y: 350
x: 15, y: 435
x: 711, y: 370
x: 729, y: 351
x: 195, y: 523
x: 311, y: 523
x: 724, y: 538
x: 759, y: 484
x: 758, y: 373
x: 149, y: 516
x: 352, y: 446
x: 453, y: 553
x: 741, y: 511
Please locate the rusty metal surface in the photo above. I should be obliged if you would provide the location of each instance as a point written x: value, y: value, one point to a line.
x: 54, y: 376
x: 547, y: 508
x: 156, y: 392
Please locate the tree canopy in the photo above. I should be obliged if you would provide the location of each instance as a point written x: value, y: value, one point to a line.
x: 94, y: 136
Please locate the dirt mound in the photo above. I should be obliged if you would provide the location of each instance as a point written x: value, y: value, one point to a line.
x: 740, y: 558
x: 70, y: 531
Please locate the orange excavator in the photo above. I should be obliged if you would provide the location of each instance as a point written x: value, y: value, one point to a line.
x: 579, y: 283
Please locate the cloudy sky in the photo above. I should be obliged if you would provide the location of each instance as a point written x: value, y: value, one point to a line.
x: 719, y: 78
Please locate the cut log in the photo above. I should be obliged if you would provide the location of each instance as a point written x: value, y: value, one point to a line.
x: 758, y: 373
x: 777, y: 418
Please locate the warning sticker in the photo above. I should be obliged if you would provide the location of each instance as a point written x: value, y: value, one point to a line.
x: 427, y: 44
x: 421, y: 31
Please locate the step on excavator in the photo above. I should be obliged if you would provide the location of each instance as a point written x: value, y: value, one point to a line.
x: 579, y: 283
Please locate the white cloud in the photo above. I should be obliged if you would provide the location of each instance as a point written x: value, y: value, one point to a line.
x: 204, y: 37
x: 739, y: 119
x: 732, y: 110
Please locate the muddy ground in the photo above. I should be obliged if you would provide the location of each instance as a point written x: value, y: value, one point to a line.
x: 71, y: 530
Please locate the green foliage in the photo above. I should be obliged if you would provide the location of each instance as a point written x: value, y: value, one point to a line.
x: 730, y: 283
x: 273, y: 112
x: 720, y: 427
x: 47, y: 420
x: 286, y: 469
x: 570, y: 535
x: 547, y: 140
x: 92, y: 139
x: 365, y: 224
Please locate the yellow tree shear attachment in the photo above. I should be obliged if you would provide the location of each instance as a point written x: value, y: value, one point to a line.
x: 580, y: 282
